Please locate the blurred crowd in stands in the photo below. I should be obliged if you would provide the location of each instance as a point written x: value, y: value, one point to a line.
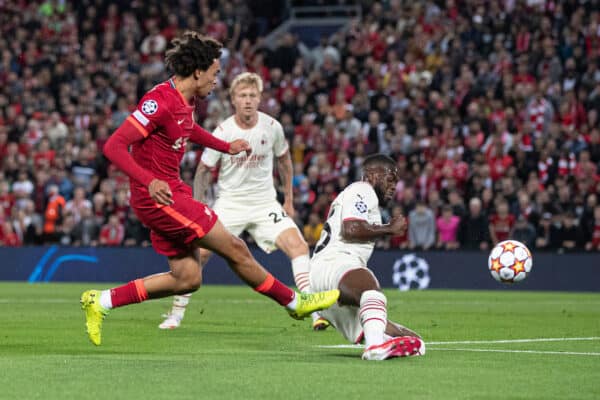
x: 491, y: 110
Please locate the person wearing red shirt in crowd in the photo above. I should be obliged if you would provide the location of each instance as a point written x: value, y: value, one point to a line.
x: 399, y: 241
x: 157, y: 132
x: 498, y: 161
x: 345, y: 87
x: 7, y: 199
x: 112, y: 233
x: 501, y: 223
x: 8, y: 236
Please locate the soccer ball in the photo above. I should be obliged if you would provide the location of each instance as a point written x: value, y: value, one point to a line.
x: 510, y: 261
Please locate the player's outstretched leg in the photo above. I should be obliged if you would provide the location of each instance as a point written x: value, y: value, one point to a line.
x: 180, y: 302
x: 240, y: 260
x: 379, y: 346
x: 383, y: 340
x: 184, y: 277
x: 96, y: 305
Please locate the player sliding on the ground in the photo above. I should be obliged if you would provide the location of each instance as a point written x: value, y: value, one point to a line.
x: 246, y: 196
x: 157, y: 132
x: 340, y: 262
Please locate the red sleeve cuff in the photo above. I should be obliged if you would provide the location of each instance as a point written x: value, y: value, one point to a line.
x: 207, y: 139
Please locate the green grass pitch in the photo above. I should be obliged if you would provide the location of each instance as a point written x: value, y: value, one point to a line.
x: 236, y: 344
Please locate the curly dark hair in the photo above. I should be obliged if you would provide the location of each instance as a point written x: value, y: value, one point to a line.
x: 192, y: 51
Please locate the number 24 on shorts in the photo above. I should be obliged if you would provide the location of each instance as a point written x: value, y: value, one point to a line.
x: 277, y: 217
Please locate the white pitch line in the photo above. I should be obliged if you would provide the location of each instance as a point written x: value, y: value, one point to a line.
x: 517, y: 340
x: 568, y: 353
x: 359, y: 346
x: 341, y: 346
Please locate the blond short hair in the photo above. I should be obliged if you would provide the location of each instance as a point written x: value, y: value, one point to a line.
x: 246, y: 78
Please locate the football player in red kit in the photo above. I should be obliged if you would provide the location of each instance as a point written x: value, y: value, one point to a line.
x: 157, y: 132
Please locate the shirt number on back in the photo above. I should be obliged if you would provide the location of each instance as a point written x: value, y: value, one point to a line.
x: 325, y: 238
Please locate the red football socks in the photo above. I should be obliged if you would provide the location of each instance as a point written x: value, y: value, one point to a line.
x: 132, y: 292
x: 276, y: 290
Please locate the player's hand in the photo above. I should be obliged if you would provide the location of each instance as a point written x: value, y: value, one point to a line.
x: 288, y: 207
x: 398, y: 225
x: 239, y: 145
x: 160, y: 192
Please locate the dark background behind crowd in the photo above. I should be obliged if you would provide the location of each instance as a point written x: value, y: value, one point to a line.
x: 491, y: 110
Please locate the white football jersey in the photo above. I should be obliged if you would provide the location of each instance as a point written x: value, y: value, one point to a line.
x: 357, y: 201
x: 243, y: 178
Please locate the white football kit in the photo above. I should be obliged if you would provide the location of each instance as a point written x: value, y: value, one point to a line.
x: 333, y: 256
x: 246, y: 197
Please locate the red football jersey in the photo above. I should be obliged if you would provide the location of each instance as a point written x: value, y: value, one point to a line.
x: 165, y: 119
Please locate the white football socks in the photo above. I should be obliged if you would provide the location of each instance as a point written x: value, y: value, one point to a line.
x: 180, y: 302
x: 301, y: 270
x: 105, y: 300
x: 373, y: 316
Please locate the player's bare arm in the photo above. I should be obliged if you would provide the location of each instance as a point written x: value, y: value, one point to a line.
x: 284, y: 167
x: 361, y: 231
x: 202, y: 179
x: 239, y: 145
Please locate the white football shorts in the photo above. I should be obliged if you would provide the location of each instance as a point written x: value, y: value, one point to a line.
x: 264, y: 221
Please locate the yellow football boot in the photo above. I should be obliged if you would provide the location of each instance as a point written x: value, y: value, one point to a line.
x: 308, y: 303
x: 94, y: 315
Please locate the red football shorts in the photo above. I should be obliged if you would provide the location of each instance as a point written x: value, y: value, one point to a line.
x: 174, y: 227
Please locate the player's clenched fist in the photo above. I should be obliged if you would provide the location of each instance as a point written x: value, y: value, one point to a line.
x: 239, y: 145
x: 398, y: 225
x: 160, y: 192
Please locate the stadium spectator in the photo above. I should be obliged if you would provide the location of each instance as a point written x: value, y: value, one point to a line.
x: 543, y: 240
x: 87, y: 231
x: 113, y: 232
x: 474, y: 229
x: 136, y: 234
x: 8, y: 236
x: 421, y: 227
x: 312, y: 230
x: 524, y: 232
x: 75, y: 206
x: 30, y: 224
x: 53, y: 215
x: 447, y: 227
x: 569, y: 236
x: 501, y: 223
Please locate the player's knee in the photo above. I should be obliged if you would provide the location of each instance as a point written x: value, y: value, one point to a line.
x: 195, y: 282
x: 372, y: 295
x: 189, y: 281
x: 299, y: 246
x: 292, y: 242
